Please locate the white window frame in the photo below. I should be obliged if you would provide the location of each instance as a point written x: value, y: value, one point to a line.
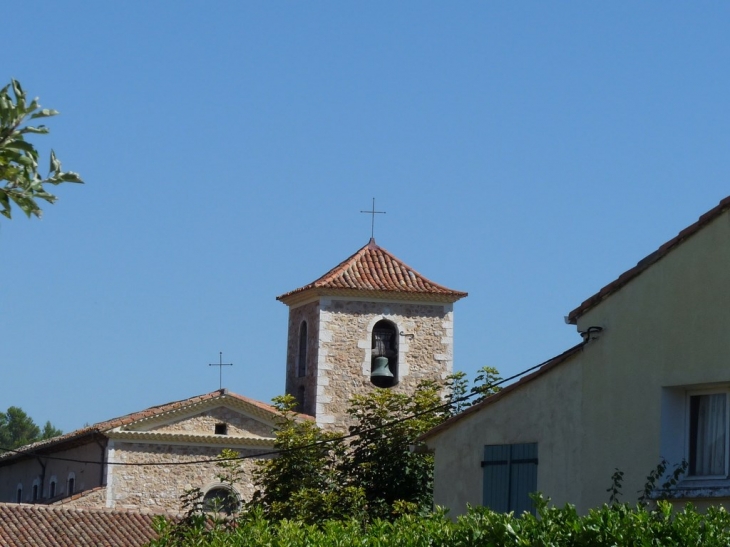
x: 687, y: 428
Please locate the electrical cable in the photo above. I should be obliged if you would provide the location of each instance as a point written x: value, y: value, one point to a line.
x: 323, y: 442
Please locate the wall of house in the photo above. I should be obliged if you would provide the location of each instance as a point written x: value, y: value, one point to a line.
x: 425, y: 350
x: 621, y: 403
x: 665, y: 334
x: 310, y: 313
x: 159, y: 486
x: 26, y: 471
x: 546, y: 411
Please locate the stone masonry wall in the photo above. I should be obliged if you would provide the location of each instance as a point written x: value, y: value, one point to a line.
x: 205, y: 423
x: 425, y: 350
x: 310, y: 314
x: 159, y: 487
x: 89, y: 499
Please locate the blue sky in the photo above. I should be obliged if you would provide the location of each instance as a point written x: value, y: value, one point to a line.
x: 525, y: 152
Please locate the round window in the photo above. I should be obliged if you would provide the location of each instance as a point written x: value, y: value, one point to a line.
x: 221, y: 500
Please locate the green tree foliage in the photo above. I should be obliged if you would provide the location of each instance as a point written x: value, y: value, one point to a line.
x: 18, y: 429
x: 607, y: 526
x: 303, y: 481
x: 460, y: 397
x: 379, y: 458
x: 368, y: 477
x: 373, y: 474
x: 485, y: 384
x: 49, y: 431
x: 22, y: 184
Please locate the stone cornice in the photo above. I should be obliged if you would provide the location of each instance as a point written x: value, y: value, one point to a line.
x: 190, y: 438
x: 314, y: 294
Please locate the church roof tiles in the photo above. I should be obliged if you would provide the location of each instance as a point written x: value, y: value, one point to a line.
x: 372, y: 269
x: 156, y: 412
x: 41, y: 526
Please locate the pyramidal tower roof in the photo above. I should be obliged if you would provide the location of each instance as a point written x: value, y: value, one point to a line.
x: 373, y: 271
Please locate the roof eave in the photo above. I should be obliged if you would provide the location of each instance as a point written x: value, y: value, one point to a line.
x: 304, y: 296
x: 547, y: 367
x: 52, y: 445
x: 192, y: 438
x: 648, y: 261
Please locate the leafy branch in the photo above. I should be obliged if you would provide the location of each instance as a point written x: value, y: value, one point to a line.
x: 23, y: 184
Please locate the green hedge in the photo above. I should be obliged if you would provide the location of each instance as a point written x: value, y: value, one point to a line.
x: 611, y: 525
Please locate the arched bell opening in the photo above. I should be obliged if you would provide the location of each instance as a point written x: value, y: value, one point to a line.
x: 384, y: 354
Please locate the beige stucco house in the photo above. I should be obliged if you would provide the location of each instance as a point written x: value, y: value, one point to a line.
x: 144, y: 460
x: 650, y: 380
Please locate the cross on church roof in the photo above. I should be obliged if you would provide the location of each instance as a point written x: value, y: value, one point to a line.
x: 373, y: 212
x: 220, y: 364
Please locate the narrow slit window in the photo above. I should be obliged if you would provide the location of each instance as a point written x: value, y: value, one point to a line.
x: 302, y: 355
x: 301, y: 399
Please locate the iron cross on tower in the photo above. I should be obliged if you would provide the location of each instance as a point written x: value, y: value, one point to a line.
x: 220, y: 364
x: 373, y: 212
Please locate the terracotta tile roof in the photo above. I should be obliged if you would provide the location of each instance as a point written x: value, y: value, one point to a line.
x: 649, y: 260
x: 375, y: 270
x: 547, y: 367
x: 101, y: 427
x: 47, y: 526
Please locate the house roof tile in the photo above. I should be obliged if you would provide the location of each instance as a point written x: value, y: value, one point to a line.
x: 372, y: 269
x: 49, y: 526
x: 649, y: 260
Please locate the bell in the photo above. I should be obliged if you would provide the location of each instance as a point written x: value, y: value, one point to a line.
x: 380, y: 368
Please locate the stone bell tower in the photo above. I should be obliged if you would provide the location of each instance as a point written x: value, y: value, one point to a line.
x: 372, y: 321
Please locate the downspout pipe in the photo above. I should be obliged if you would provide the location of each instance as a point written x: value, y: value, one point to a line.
x: 102, y: 459
x: 43, y: 479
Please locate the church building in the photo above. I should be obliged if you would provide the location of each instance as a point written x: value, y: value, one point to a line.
x: 372, y: 321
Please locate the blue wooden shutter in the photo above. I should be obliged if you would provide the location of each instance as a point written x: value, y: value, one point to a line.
x: 496, y: 477
x: 510, y: 476
x: 523, y: 477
